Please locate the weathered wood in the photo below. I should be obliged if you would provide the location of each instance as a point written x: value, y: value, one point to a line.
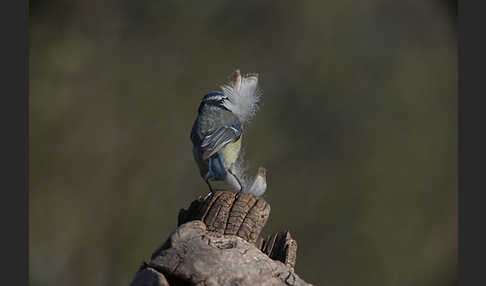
x: 224, y: 214
x: 196, y: 256
x: 218, y: 242
x: 149, y: 277
x: 281, y: 246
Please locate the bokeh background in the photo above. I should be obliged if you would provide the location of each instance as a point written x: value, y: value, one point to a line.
x: 358, y: 129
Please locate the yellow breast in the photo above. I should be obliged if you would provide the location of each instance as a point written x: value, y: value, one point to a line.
x: 231, y: 153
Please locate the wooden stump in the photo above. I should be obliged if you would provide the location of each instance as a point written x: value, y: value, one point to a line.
x: 218, y: 242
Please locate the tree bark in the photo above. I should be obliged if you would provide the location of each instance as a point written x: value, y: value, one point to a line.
x: 218, y: 242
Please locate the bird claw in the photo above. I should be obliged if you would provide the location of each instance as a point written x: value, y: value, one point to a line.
x: 208, y: 195
x: 211, y: 191
x: 238, y: 194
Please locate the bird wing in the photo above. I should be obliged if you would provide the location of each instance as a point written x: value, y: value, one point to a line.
x: 214, y: 141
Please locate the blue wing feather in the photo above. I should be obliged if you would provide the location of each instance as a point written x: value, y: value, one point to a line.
x: 213, y: 142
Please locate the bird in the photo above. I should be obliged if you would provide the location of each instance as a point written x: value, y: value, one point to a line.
x: 260, y: 183
x: 217, y: 132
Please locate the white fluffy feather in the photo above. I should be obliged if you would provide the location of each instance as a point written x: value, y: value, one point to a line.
x: 243, y: 96
x: 259, y: 185
x: 240, y: 168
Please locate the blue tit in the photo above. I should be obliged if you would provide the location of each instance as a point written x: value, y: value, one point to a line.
x: 218, y: 129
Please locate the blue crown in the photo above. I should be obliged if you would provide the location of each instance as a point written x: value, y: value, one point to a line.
x: 213, y: 93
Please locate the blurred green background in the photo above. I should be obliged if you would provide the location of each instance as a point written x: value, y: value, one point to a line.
x: 358, y: 129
